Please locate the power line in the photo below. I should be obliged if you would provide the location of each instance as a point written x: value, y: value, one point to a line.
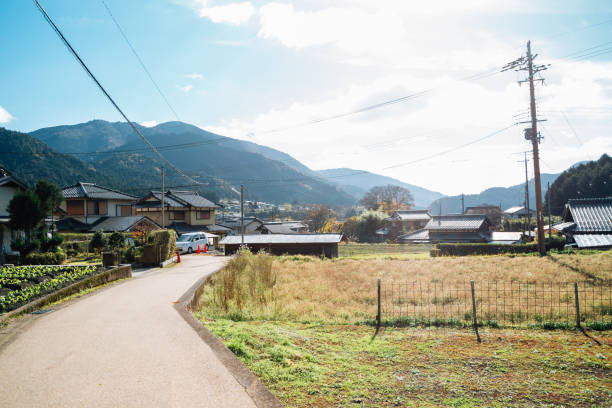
x: 142, y: 64
x: 112, y: 101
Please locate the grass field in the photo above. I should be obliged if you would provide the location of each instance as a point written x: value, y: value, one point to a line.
x: 296, y: 327
x: 341, y: 366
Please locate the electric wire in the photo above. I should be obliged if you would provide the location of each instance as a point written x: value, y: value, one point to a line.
x: 112, y: 101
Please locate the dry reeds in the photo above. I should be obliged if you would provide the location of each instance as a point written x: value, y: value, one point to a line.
x: 303, y: 288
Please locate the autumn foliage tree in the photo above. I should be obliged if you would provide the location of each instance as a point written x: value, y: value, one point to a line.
x: 387, y: 199
x: 318, y: 216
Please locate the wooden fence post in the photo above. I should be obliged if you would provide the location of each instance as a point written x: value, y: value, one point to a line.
x: 378, y: 315
x: 474, y: 311
x: 577, y: 305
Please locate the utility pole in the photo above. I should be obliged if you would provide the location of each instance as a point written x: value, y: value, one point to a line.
x: 528, y: 219
x: 162, y: 201
x: 549, y: 217
x: 242, y: 213
x: 526, y: 64
x: 462, y: 204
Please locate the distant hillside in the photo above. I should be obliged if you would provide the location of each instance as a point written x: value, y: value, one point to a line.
x: 220, y: 162
x: 591, y: 179
x: 505, y: 196
x: 356, y: 183
x: 30, y: 160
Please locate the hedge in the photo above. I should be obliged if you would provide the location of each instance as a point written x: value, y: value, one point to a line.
x: 166, y: 239
x: 45, y: 258
x: 492, y: 249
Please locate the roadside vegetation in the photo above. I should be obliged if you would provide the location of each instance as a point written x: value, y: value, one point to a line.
x: 22, y: 284
x: 297, y: 323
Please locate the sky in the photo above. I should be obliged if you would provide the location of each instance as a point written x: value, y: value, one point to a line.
x: 264, y: 71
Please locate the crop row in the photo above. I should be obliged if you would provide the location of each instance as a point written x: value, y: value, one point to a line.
x: 58, y: 277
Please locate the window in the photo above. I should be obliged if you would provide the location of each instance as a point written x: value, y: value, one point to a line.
x: 75, y: 207
x: 124, y: 210
x: 96, y: 208
x: 177, y: 215
x: 203, y: 215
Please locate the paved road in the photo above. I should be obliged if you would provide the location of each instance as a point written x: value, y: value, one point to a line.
x: 125, y: 346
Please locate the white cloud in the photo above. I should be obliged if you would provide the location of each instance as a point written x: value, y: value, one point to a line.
x: 5, y: 117
x: 233, y: 13
x: 149, y: 123
x: 185, y: 88
x: 194, y: 75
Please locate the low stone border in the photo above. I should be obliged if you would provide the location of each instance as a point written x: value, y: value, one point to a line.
x: 113, y: 274
x: 168, y: 262
x: 262, y: 397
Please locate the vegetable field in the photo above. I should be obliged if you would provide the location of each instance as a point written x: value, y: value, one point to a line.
x: 22, y: 284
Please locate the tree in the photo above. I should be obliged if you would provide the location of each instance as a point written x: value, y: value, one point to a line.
x: 116, y: 241
x: 363, y: 228
x: 98, y: 242
x: 318, y: 216
x: 25, y: 212
x: 588, y: 180
x: 50, y: 196
x: 387, y: 198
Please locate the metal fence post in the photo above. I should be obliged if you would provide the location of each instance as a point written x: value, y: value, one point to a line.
x: 378, y: 315
x: 474, y: 311
x: 577, y: 305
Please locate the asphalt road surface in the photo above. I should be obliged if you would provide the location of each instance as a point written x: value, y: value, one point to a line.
x: 124, y: 346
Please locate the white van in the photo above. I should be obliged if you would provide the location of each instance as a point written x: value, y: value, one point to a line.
x: 189, y: 242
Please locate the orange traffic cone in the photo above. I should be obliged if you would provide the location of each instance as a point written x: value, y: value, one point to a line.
x: 205, y: 250
x: 178, y: 256
x: 198, y: 249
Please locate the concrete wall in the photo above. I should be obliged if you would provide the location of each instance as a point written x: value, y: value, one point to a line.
x: 6, y: 194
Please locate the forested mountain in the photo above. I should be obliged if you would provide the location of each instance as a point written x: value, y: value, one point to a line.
x: 585, y: 180
x: 120, y: 159
x: 506, y: 197
x: 357, y: 182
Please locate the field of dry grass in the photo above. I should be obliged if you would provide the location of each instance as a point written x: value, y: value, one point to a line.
x: 297, y: 333
x: 344, y: 290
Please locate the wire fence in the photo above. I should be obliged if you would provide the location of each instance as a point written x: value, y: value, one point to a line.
x: 504, y: 304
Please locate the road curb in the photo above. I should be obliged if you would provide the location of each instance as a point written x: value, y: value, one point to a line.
x: 259, y: 393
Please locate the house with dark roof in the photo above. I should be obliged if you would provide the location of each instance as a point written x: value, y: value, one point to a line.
x: 87, y: 203
x: 412, y: 219
x: 588, y: 222
x: 283, y: 227
x: 125, y: 224
x: 251, y: 224
x: 9, y: 186
x: 279, y: 244
x: 184, y: 211
x: 494, y: 212
x: 452, y: 228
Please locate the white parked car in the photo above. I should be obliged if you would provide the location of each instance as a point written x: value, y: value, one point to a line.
x: 189, y: 242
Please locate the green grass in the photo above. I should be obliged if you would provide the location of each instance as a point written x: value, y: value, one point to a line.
x: 322, y: 365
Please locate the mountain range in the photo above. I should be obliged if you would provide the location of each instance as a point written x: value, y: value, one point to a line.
x: 113, y: 155
x: 505, y: 197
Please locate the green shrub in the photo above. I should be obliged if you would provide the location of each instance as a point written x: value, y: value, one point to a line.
x: 462, y: 249
x: 128, y: 254
x: 44, y: 258
x: 98, y: 242
x: 166, y: 239
x: 116, y: 241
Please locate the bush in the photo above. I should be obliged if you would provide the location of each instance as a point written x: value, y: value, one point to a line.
x: 98, y: 242
x: 128, y: 255
x: 482, y: 249
x: 166, y: 239
x: 24, y: 247
x: 116, y: 241
x: 44, y: 258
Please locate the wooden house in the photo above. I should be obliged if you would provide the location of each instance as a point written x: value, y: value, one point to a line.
x: 9, y: 186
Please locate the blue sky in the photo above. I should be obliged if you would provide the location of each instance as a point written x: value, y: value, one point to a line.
x: 240, y: 68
